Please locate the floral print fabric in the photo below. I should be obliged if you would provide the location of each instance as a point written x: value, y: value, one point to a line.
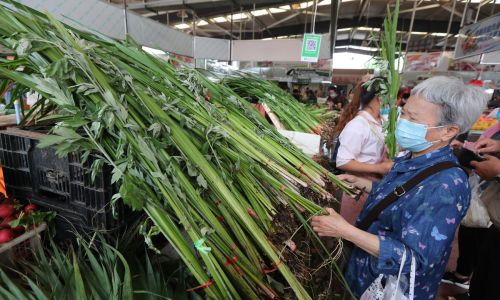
x: 423, y: 220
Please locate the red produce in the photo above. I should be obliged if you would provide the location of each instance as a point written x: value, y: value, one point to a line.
x: 29, y: 208
x: 6, y: 210
x: 5, y: 221
x: 6, y: 235
x: 18, y: 230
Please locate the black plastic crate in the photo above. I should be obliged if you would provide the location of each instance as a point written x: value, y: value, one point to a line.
x: 64, y: 185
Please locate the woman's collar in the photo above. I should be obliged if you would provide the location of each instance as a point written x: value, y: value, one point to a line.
x: 368, y: 116
x: 406, y: 163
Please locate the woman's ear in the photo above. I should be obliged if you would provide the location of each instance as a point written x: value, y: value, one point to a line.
x: 450, y: 133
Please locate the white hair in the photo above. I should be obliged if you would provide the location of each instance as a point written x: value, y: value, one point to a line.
x: 461, y: 104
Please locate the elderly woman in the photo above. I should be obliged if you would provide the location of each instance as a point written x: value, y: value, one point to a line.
x: 423, y: 219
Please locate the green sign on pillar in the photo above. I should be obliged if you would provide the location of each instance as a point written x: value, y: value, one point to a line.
x: 310, y: 47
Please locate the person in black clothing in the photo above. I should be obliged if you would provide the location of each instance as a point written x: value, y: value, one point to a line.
x: 311, y: 97
x: 297, y: 95
x: 484, y: 283
x: 333, y: 101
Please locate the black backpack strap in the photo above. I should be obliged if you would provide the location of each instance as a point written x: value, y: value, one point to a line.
x: 401, y: 190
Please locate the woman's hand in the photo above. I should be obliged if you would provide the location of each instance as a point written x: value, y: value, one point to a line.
x: 487, y: 169
x: 487, y: 146
x: 332, y: 225
x: 357, y: 182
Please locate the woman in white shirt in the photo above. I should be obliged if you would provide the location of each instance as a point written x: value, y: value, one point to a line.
x: 361, y: 149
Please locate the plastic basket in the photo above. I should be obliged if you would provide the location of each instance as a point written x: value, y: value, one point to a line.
x: 64, y: 185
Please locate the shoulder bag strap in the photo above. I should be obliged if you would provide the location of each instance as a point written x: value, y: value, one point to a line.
x: 401, y: 190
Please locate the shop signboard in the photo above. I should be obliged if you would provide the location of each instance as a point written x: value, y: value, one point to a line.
x: 426, y: 61
x: 479, y: 38
x: 310, y: 47
x: 350, y: 76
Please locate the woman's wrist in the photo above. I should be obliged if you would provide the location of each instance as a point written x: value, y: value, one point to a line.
x: 349, y: 233
x: 363, y: 239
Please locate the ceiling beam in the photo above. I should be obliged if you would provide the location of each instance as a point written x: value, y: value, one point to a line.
x: 403, y: 25
x: 271, y: 14
x: 262, y: 25
x: 224, y: 30
x: 448, y: 9
x: 420, y: 8
x: 353, y: 32
x: 160, y: 3
x: 317, y: 13
x: 199, y: 31
x: 366, y: 3
x: 157, y: 13
x: 218, y: 30
x: 289, y: 17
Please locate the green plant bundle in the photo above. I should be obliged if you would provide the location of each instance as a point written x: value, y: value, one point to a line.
x: 191, y: 154
x: 291, y: 113
x: 92, y: 270
x: 389, y: 48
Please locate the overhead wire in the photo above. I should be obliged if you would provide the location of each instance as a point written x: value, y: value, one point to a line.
x: 314, y: 16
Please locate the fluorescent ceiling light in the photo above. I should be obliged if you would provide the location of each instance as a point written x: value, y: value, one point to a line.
x: 418, y: 33
x: 219, y: 19
x: 237, y: 16
x: 357, y: 48
x: 259, y: 12
x: 182, y: 26
x: 306, y: 4
x: 202, y: 23
x: 479, y: 1
x: 283, y: 37
x: 325, y: 2
x: 275, y: 10
x: 342, y: 36
x: 344, y: 29
x: 369, y: 28
x: 267, y: 39
x: 438, y: 34
x: 285, y: 7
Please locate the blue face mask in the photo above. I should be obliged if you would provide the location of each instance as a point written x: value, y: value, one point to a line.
x: 411, y: 136
x: 498, y: 114
x: 384, y: 111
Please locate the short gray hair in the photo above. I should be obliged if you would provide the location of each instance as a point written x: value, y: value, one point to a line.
x: 461, y: 104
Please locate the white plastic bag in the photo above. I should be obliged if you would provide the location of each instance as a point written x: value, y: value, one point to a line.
x: 477, y: 216
x: 491, y: 200
x: 394, y: 286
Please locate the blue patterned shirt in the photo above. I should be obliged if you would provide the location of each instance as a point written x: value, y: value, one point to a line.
x: 424, y: 220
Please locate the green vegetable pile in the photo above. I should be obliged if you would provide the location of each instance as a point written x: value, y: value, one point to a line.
x: 92, y: 269
x: 294, y: 116
x: 193, y: 155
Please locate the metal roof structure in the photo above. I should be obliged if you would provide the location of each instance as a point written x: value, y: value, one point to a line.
x: 435, y: 22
